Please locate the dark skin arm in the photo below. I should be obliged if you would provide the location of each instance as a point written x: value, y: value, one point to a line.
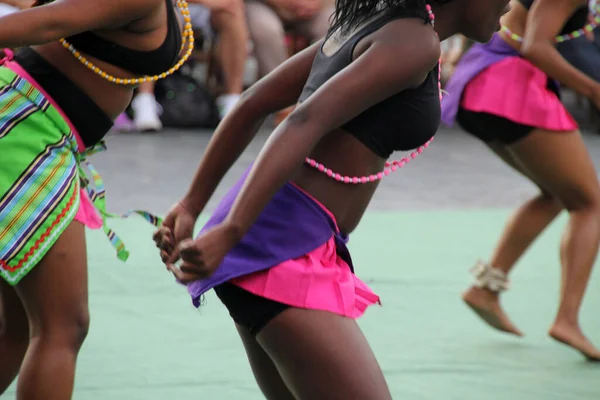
x: 544, y: 22
x: 62, y: 18
x: 373, y: 76
x: 278, y: 90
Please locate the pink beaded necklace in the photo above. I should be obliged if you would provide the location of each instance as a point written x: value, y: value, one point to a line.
x: 390, y: 166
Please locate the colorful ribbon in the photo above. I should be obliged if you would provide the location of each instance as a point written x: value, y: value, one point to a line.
x: 97, y: 195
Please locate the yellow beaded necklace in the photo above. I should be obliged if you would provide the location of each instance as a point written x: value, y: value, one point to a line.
x: 187, y: 38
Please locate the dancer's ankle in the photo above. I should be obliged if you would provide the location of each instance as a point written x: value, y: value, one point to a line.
x: 567, y: 319
x: 489, y: 278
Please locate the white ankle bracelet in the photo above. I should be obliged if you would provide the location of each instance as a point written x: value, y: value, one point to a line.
x: 488, y: 277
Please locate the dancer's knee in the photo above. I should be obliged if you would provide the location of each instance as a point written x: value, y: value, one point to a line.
x: 68, y: 331
x: 584, y: 201
x: 548, y: 199
x: 579, y: 195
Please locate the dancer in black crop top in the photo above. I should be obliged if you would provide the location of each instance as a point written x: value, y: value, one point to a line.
x: 58, y: 99
x: 502, y: 93
x: 370, y: 88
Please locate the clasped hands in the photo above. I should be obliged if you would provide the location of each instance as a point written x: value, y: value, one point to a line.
x: 198, y: 258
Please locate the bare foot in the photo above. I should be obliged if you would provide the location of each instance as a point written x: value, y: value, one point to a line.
x: 487, y: 306
x: 572, y: 336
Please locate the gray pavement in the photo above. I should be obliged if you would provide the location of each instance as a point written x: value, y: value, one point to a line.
x: 152, y: 171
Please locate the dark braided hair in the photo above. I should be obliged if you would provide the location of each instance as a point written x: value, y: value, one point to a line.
x: 351, y: 13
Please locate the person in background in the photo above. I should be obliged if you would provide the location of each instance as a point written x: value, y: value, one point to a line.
x: 268, y: 21
x: 505, y: 94
x: 227, y: 19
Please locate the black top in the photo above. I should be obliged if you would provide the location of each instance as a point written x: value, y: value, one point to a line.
x: 138, y: 62
x: 403, y: 121
x: 89, y: 119
x: 576, y: 22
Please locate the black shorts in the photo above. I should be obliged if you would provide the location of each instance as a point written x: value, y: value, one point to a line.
x: 247, y: 309
x: 491, y: 128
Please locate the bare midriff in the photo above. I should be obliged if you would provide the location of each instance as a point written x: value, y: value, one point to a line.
x: 344, y: 154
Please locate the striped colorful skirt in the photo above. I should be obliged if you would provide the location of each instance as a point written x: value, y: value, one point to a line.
x: 39, y: 185
x: 43, y: 187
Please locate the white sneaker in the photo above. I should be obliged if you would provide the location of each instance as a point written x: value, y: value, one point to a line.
x: 226, y: 103
x: 145, y: 113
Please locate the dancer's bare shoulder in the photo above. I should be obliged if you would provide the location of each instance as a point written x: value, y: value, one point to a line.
x: 407, y: 43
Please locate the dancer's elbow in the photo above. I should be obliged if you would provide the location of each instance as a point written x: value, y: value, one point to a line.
x: 254, y: 103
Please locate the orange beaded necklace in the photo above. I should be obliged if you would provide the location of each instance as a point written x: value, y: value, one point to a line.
x: 188, y: 38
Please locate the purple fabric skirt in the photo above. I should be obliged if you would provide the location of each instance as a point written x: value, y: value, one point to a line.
x: 494, y: 78
x: 476, y: 59
x: 290, y: 226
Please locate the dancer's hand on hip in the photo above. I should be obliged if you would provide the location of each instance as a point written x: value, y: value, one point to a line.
x: 177, y: 227
x: 201, y: 257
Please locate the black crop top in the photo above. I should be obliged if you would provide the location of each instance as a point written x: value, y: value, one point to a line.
x: 403, y: 121
x: 576, y: 22
x: 152, y: 62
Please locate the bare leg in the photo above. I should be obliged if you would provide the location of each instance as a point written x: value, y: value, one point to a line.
x: 14, y: 335
x: 323, y: 356
x: 521, y: 230
x: 232, y: 51
x: 560, y: 161
x: 268, y: 36
x: 55, y: 296
x: 232, y: 46
x: 270, y: 382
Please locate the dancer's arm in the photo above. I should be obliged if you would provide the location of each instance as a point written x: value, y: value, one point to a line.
x: 62, y: 18
x: 276, y: 91
x: 544, y: 22
x: 371, y: 78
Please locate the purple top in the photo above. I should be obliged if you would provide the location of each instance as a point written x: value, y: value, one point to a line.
x: 290, y: 226
x: 476, y: 59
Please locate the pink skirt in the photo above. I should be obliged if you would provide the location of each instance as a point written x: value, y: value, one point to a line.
x: 318, y: 280
x: 517, y: 90
x: 86, y: 214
